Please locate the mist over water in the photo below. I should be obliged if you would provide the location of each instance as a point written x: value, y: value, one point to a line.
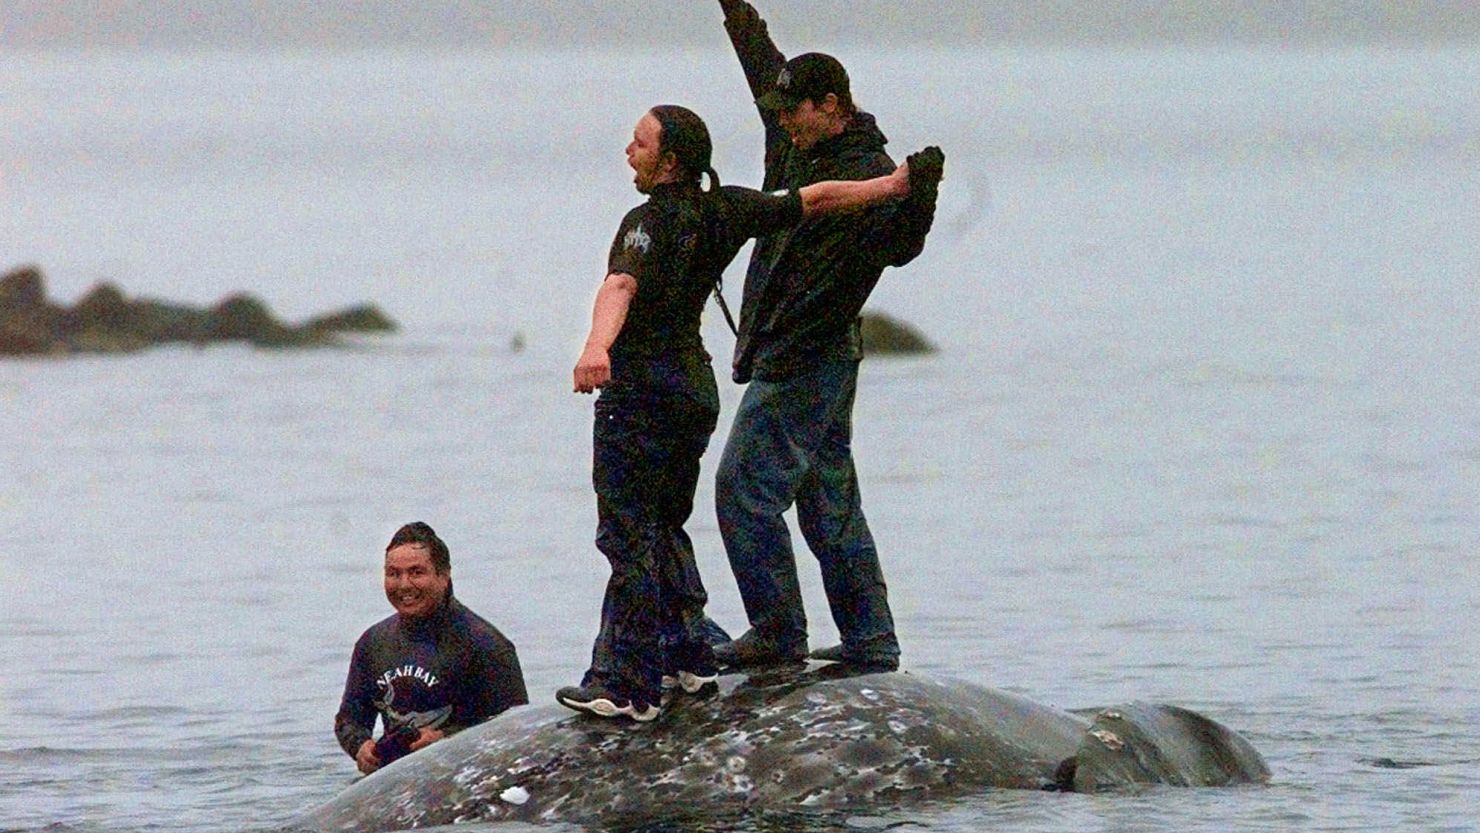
x: 264, y: 25
x: 1203, y: 426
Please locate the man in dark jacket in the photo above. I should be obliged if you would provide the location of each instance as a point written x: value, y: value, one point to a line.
x: 428, y: 671
x: 799, y: 347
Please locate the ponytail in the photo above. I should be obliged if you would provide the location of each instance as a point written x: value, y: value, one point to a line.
x: 686, y: 136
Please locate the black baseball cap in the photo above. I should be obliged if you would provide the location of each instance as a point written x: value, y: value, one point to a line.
x: 809, y: 76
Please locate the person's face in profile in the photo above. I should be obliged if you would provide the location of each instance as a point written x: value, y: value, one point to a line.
x: 412, y: 584
x: 649, y: 164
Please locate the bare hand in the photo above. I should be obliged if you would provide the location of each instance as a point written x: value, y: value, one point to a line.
x: 593, y: 370
x: 366, y: 759
x: 427, y: 738
x: 899, y: 181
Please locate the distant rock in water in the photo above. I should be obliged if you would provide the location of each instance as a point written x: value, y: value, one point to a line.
x: 883, y: 335
x: 366, y: 318
x: 106, y: 321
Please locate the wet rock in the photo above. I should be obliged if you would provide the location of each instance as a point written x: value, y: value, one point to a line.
x: 27, y: 322
x: 366, y: 318
x: 105, y: 320
x: 884, y: 335
x: 246, y: 318
x: 22, y: 288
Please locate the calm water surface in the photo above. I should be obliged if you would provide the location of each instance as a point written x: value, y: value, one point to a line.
x: 1204, y: 427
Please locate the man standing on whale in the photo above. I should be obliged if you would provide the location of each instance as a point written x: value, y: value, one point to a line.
x: 799, y: 347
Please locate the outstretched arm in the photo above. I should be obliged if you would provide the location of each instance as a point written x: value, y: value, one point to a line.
x: 757, y: 214
x: 594, y: 368
x: 837, y: 196
x: 759, y: 57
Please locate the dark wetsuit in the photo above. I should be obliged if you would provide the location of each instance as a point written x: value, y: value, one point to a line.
x: 653, y: 423
x: 799, y: 340
x: 448, y: 671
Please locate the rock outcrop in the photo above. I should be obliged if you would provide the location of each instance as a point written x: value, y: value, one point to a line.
x: 883, y: 335
x: 107, y: 321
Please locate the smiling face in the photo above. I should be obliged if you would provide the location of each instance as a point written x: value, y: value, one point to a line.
x: 412, y: 584
x: 650, y: 165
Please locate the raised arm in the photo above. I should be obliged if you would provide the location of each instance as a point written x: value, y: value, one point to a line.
x: 762, y: 62
x: 759, y: 57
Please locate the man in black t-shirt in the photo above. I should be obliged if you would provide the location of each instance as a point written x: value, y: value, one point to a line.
x: 659, y: 402
x: 432, y: 669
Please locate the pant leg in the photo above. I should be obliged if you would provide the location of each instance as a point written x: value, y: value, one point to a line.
x: 756, y: 483
x: 830, y: 514
x: 630, y: 534
x: 689, y: 425
x: 603, y: 665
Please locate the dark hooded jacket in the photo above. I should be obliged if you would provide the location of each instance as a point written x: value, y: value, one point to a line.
x: 806, y: 286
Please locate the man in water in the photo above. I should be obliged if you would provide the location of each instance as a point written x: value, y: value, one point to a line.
x: 799, y: 347
x: 429, y: 670
x: 659, y: 401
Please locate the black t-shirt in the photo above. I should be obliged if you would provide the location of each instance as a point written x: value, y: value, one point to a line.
x: 676, y: 246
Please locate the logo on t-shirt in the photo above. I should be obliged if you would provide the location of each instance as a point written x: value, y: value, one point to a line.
x: 637, y: 239
x: 407, y: 697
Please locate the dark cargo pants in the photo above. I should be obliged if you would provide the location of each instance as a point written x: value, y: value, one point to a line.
x: 645, y: 470
x: 791, y: 442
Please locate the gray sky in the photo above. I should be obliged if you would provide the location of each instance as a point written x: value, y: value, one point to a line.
x: 251, y: 24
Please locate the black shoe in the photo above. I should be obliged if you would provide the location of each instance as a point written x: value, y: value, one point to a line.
x: 691, y: 669
x: 872, y: 665
x: 864, y: 665
x: 598, y: 700
x: 832, y: 653
x: 751, y: 651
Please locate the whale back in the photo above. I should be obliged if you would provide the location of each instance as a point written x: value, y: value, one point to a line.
x: 783, y: 741
x: 1150, y: 743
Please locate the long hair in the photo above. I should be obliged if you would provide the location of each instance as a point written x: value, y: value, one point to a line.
x: 685, y: 136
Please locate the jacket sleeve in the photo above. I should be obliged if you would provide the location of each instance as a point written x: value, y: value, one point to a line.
x: 760, y: 60
x: 759, y: 57
x: 897, y: 231
x: 355, y: 722
x: 913, y: 218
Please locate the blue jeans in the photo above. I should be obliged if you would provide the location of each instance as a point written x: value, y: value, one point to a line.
x: 791, y: 442
x: 645, y: 470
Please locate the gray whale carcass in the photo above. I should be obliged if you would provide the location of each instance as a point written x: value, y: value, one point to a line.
x: 789, y: 740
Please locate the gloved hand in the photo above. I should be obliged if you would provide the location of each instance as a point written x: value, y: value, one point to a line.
x: 396, y: 743
x: 926, y: 169
x: 737, y: 10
